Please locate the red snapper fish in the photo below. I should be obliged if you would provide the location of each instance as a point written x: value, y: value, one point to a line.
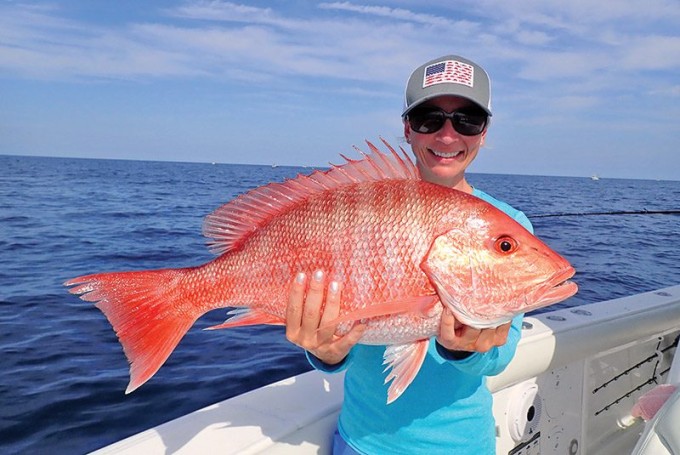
x: 402, y: 248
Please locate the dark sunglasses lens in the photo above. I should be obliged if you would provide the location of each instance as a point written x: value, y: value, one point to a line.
x: 469, y: 124
x: 426, y: 122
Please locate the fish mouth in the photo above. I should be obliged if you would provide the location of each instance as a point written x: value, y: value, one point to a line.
x: 552, y: 290
x: 556, y: 288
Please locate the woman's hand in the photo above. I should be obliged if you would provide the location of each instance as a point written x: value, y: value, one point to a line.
x: 455, y: 336
x: 305, y: 316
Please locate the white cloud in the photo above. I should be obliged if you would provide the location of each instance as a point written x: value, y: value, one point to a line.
x: 403, y: 15
x: 219, y: 10
x: 652, y: 53
x: 572, y: 103
x: 220, y: 39
x: 540, y: 42
x: 544, y: 65
x: 673, y: 91
x: 561, y: 14
x: 533, y: 37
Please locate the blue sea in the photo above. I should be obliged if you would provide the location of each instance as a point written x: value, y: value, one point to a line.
x: 63, y: 373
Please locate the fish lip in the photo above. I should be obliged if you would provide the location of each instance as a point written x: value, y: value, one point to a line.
x: 562, y: 275
x: 556, y: 288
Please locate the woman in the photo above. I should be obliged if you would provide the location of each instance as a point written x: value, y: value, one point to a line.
x: 447, y: 408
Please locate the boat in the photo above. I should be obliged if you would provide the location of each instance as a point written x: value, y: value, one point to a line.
x: 594, y: 177
x: 570, y: 389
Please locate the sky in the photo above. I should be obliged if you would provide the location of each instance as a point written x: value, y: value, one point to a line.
x: 580, y: 87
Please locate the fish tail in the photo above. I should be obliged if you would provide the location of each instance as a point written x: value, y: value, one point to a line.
x: 150, y: 311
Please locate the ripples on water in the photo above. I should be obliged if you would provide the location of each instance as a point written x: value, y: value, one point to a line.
x: 64, y: 372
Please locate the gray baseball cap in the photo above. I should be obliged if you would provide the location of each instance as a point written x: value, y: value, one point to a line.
x: 448, y: 75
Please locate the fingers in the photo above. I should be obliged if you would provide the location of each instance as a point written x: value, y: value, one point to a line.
x: 311, y: 313
x: 455, y: 336
x: 295, y: 303
x: 331, y: 311
x: 345, y: 343
x: 447, y: 331
x: 501, y: 334
x: 304, y: 312
x: 492, y: 337
x: 310, y: 307
x: 471, y: 339
x: 459, y: 337
x: 313, y: 306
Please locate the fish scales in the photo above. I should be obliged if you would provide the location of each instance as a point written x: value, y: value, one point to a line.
x: 349, y: 244
x: 370, y: 237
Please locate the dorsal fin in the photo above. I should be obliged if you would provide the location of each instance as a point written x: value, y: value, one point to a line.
x: 228, y: 226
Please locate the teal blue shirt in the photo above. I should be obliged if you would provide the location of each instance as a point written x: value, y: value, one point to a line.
x: 446, y: 409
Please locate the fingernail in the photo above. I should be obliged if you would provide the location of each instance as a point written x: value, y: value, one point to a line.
x: 334, y: 287
x: 300, y: 278
x: 318, y: 276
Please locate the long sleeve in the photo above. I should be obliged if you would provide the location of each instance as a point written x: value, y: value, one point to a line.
x: 320, y: 365
x: 492, y: 362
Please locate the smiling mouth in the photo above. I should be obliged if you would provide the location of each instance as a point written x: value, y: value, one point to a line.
x: 444, y: 154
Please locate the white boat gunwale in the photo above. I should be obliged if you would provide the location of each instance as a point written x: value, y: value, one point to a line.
x: 567, y: 349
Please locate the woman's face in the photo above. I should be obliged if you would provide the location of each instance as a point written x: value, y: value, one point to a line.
x: 443, y: 156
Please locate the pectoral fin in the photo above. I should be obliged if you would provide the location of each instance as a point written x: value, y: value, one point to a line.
x: 248, y: 317
x: 422, y: 305
x: 404, y: 362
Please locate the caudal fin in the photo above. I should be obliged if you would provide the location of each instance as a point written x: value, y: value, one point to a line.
x: 148, y: 310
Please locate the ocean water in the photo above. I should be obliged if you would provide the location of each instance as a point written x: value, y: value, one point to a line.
x: 63, y: 373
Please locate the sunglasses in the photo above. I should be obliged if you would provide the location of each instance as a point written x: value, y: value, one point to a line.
x: 467, y: 121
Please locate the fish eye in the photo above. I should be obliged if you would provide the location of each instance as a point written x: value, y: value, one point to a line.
x: 505, y: 244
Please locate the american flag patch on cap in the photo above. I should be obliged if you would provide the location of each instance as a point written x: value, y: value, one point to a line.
x: 449, y: 71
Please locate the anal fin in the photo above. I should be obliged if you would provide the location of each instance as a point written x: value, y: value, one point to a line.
x: 404, y: 362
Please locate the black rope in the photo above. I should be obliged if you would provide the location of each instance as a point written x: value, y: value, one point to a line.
x: 616, y: 212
